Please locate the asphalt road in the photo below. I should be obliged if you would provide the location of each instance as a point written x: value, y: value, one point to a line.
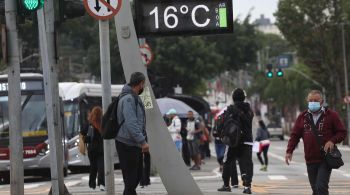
x: 279, y: 179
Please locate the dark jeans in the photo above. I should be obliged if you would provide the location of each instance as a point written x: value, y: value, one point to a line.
x: 220, y: 151
x: 185, y: 152
x: 96, y: 170
x: 145, y: 180
x: 264, y: 151
x: 130, y: 158
x: 319, y: 174
x: 243, y: 153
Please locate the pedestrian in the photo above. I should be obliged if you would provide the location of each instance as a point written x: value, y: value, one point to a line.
x: 262, y: 136
x: 243, y: 152
x: 330, y: 130
x: 175, y: 128
x: 131, y: 139
x: 95, y: 148
x: 220, y: 149
x: 192, y: 127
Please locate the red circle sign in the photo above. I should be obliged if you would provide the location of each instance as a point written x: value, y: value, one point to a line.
x: 146, y: 54
x: 102, y: 9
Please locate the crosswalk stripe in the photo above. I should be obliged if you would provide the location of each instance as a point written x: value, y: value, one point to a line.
x: 346, y: 175
x: 277, y: 177
x: 72, y: 183
x: 31, y: 186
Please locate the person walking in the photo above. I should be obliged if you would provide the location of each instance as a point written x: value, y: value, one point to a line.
x: 262, y: 136
x: 131, y: 139
x: 330, y: 130
x: 95, y: 148
x: 192, y: 128
x: 175, y: 128
x: 243, y: 152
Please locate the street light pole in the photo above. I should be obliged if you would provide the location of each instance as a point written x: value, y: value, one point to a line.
x: 346, y: 81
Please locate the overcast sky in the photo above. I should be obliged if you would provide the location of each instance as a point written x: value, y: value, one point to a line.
x: 266, y: 7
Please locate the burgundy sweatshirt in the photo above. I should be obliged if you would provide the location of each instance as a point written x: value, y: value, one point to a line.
x: 329, y: 127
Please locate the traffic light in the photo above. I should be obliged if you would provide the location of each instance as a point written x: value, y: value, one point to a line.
x: 269, y: 73
x: 32, y: 5
x: 279, y: 72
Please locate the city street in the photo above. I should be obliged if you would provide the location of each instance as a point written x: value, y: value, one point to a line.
x: 279, y: 179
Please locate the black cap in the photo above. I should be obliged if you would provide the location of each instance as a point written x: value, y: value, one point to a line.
x: 238, y: 95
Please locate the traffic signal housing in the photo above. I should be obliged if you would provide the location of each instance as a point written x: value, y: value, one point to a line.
x: 32, y: 5
x: 69, y: 9
x: 269, y: 72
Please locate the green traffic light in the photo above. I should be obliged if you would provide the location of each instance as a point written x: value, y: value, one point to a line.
x: 269, y: 74
x: 32, y: 5
x: 280, y: 73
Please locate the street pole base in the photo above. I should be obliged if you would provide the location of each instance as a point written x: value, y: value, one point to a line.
x: 64, y: 193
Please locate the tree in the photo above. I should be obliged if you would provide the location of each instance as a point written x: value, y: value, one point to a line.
x: 314, y: 30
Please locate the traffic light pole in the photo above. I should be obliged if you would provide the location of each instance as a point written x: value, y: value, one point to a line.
x: 53, y: 114
x: 165, y: 156
x: 14, y: 99
x: 106, y: 100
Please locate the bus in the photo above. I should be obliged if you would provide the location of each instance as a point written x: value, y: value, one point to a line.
x: 36, y: 159
x: 78, y: 100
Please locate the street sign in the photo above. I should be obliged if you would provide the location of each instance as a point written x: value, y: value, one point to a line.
x: 347, y: 99
x: 146, y: 53
x: 285, y: 60
x: 102, y: 9
x: 178, y: 17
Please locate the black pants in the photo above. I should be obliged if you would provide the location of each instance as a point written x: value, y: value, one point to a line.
x: 264, y: 151
x: 145, y: 180
x: 243, y: 153
x: 319, y: 174
x: 96, y: 170
x: 130, y: 158
x: 185, y: 152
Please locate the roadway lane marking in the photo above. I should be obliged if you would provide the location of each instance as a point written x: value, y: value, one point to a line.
x: 346, y: 175
x: 277, y: 177
x: 281, y: 158
x: 72, y: 183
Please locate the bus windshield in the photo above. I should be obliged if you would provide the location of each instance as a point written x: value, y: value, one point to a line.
x: 71, y: 119
x: 33, y: 118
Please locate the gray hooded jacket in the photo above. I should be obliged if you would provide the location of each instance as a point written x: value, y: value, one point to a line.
x: 133, y: 130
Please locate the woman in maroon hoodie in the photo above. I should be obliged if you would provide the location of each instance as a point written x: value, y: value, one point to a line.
x: 331, y: 131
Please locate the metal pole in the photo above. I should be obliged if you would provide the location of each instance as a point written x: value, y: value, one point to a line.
x: 47, y: 49
x: 165, y: 156
x: 346, y: 81
x: 106, y: 100
x: 14, y: 98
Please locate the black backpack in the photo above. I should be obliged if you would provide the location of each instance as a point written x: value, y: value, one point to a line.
x: 230, y: 127
x: 110, y: 124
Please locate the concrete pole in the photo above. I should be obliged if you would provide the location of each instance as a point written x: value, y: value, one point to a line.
x: 165, y: 156
x: 14, y: 98
x: 346, y: 81
x: 106, y: 100
x: 54, y: 123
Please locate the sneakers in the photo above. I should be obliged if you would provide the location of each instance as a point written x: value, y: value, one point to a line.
x: 102, y: 187
x: 234, y: 186
x: 195, y: 168
x: 247, y: 190
x: 263, y: 168
x: 224, y: 189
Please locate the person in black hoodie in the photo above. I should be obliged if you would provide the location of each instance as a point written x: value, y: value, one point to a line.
x: 243, y: 152
x: 95, y: 149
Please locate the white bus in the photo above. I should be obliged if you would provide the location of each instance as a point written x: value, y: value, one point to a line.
x: 78, y: 99
x: 36, y: 159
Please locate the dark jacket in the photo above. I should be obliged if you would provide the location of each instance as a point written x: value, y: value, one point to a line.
x: 94, y: 142
x: 262, y: 134
x: 133, y: 130
x: 245, y: 114
x: 329, y: 127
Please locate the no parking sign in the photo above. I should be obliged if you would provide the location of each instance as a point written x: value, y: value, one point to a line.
x: 146, y: 54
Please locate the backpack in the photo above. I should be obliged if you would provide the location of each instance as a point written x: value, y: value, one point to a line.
x: 231, y: 130
x: 110, y: 124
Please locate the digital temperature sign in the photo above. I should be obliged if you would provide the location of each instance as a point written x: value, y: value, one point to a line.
x: 179, y: 17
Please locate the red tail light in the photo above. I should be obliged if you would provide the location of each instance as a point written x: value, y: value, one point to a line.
x: 4, y: 154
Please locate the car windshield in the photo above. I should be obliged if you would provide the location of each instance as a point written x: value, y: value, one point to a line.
x: 33, y: 118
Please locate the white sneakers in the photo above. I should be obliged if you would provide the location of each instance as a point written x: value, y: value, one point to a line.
x: 102, y: 187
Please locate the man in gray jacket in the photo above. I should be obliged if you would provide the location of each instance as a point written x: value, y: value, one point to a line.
x: 131, y: 138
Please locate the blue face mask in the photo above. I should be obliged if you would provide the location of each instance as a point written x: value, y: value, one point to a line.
x: 314, y: 106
